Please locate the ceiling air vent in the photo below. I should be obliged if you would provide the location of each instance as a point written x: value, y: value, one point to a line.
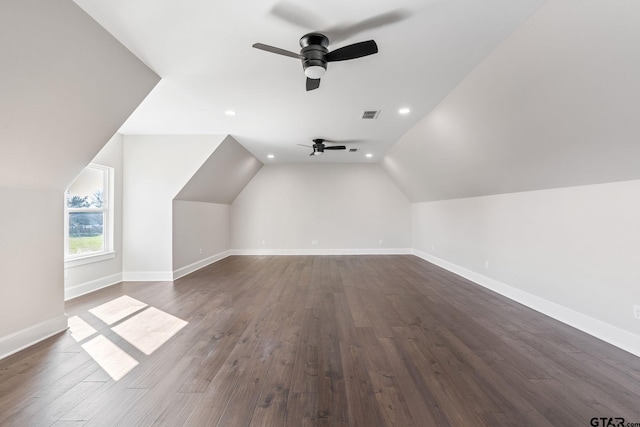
x: 370, y: 114
x: 353, y: 150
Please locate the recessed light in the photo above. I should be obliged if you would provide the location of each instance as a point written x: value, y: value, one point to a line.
x: 271, y: 156
x: 404, y: 110
x: 369, y: 155
x: 230, y: 113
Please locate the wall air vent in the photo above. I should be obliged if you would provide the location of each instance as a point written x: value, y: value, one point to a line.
x: 370, y: 114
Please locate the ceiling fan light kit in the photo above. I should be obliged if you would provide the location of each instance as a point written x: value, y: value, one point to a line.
x: 315, y: 71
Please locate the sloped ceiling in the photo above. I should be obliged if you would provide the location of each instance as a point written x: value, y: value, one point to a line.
x: 223, y: 175
x: 66, y: 86
x: 556, y: 105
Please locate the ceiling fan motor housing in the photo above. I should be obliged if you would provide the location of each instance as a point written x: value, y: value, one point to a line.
x: 314, y: 49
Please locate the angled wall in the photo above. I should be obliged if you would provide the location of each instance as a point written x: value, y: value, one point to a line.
x: 201, y: 213
x: 222, y: 176
x: 66, y: 86
x: 554, y: 106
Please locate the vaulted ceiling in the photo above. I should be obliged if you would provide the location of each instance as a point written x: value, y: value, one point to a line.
x: 504, y: 96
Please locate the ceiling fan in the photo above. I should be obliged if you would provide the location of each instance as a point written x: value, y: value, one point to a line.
x: 315, y: 55
x: 319, y: 147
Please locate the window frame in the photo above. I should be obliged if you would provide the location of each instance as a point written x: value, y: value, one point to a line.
x: 108, y: 218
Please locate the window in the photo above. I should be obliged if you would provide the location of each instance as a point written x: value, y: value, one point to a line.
x: 88, y: 217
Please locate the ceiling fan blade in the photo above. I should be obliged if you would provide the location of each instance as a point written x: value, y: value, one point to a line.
x: 352, y: 51
x: 277, y: 50
x: 312, y: 84
x: 335, y: 147
x: 304, y: 145
x: 343, y: 32
x: 343, y: 141
x: 296, y: 15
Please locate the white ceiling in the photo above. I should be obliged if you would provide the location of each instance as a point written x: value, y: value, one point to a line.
x: 202, y: 50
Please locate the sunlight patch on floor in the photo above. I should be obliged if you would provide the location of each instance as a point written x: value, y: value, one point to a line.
x: 80, y: 330
x: 117, y: 309
x: 145, y: 327
x: 115, y: 361
x: 149, y: 329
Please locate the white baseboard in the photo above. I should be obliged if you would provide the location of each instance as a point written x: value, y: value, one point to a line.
x: 27, y: 337
x: 93, y: 285
x: 374, y: 251
x: 606, y: 332
x: 183, y: 271
x: 147, y: 276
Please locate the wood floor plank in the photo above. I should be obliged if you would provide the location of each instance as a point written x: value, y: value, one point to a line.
x: 119, y: 406
x: 272, y: 401
x: 367, y: 341
x: 363, y: 408
x: 440, y: 388
x: 504, y: 398
x: 174, y: 414
x: 301, y: 410
x: 332, y: 400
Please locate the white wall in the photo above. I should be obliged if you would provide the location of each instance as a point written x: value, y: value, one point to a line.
x: 345, y: 207
x: 577, y: 247
x: 31, y: 251
x: 200, y: 235
x: 86, y: 278
x: 156, y: 168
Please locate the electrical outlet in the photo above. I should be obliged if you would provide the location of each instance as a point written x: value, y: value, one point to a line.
x: 636, y: 311
x: 200, y: 251
x: 486, y: 265
x: 314, y: 242
x: 380, y: 242
x: 263, y: 242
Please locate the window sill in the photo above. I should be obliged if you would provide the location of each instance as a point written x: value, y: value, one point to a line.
x: 88, y: 259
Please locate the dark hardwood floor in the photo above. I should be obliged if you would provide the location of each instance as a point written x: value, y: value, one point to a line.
x: 323, y: 340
